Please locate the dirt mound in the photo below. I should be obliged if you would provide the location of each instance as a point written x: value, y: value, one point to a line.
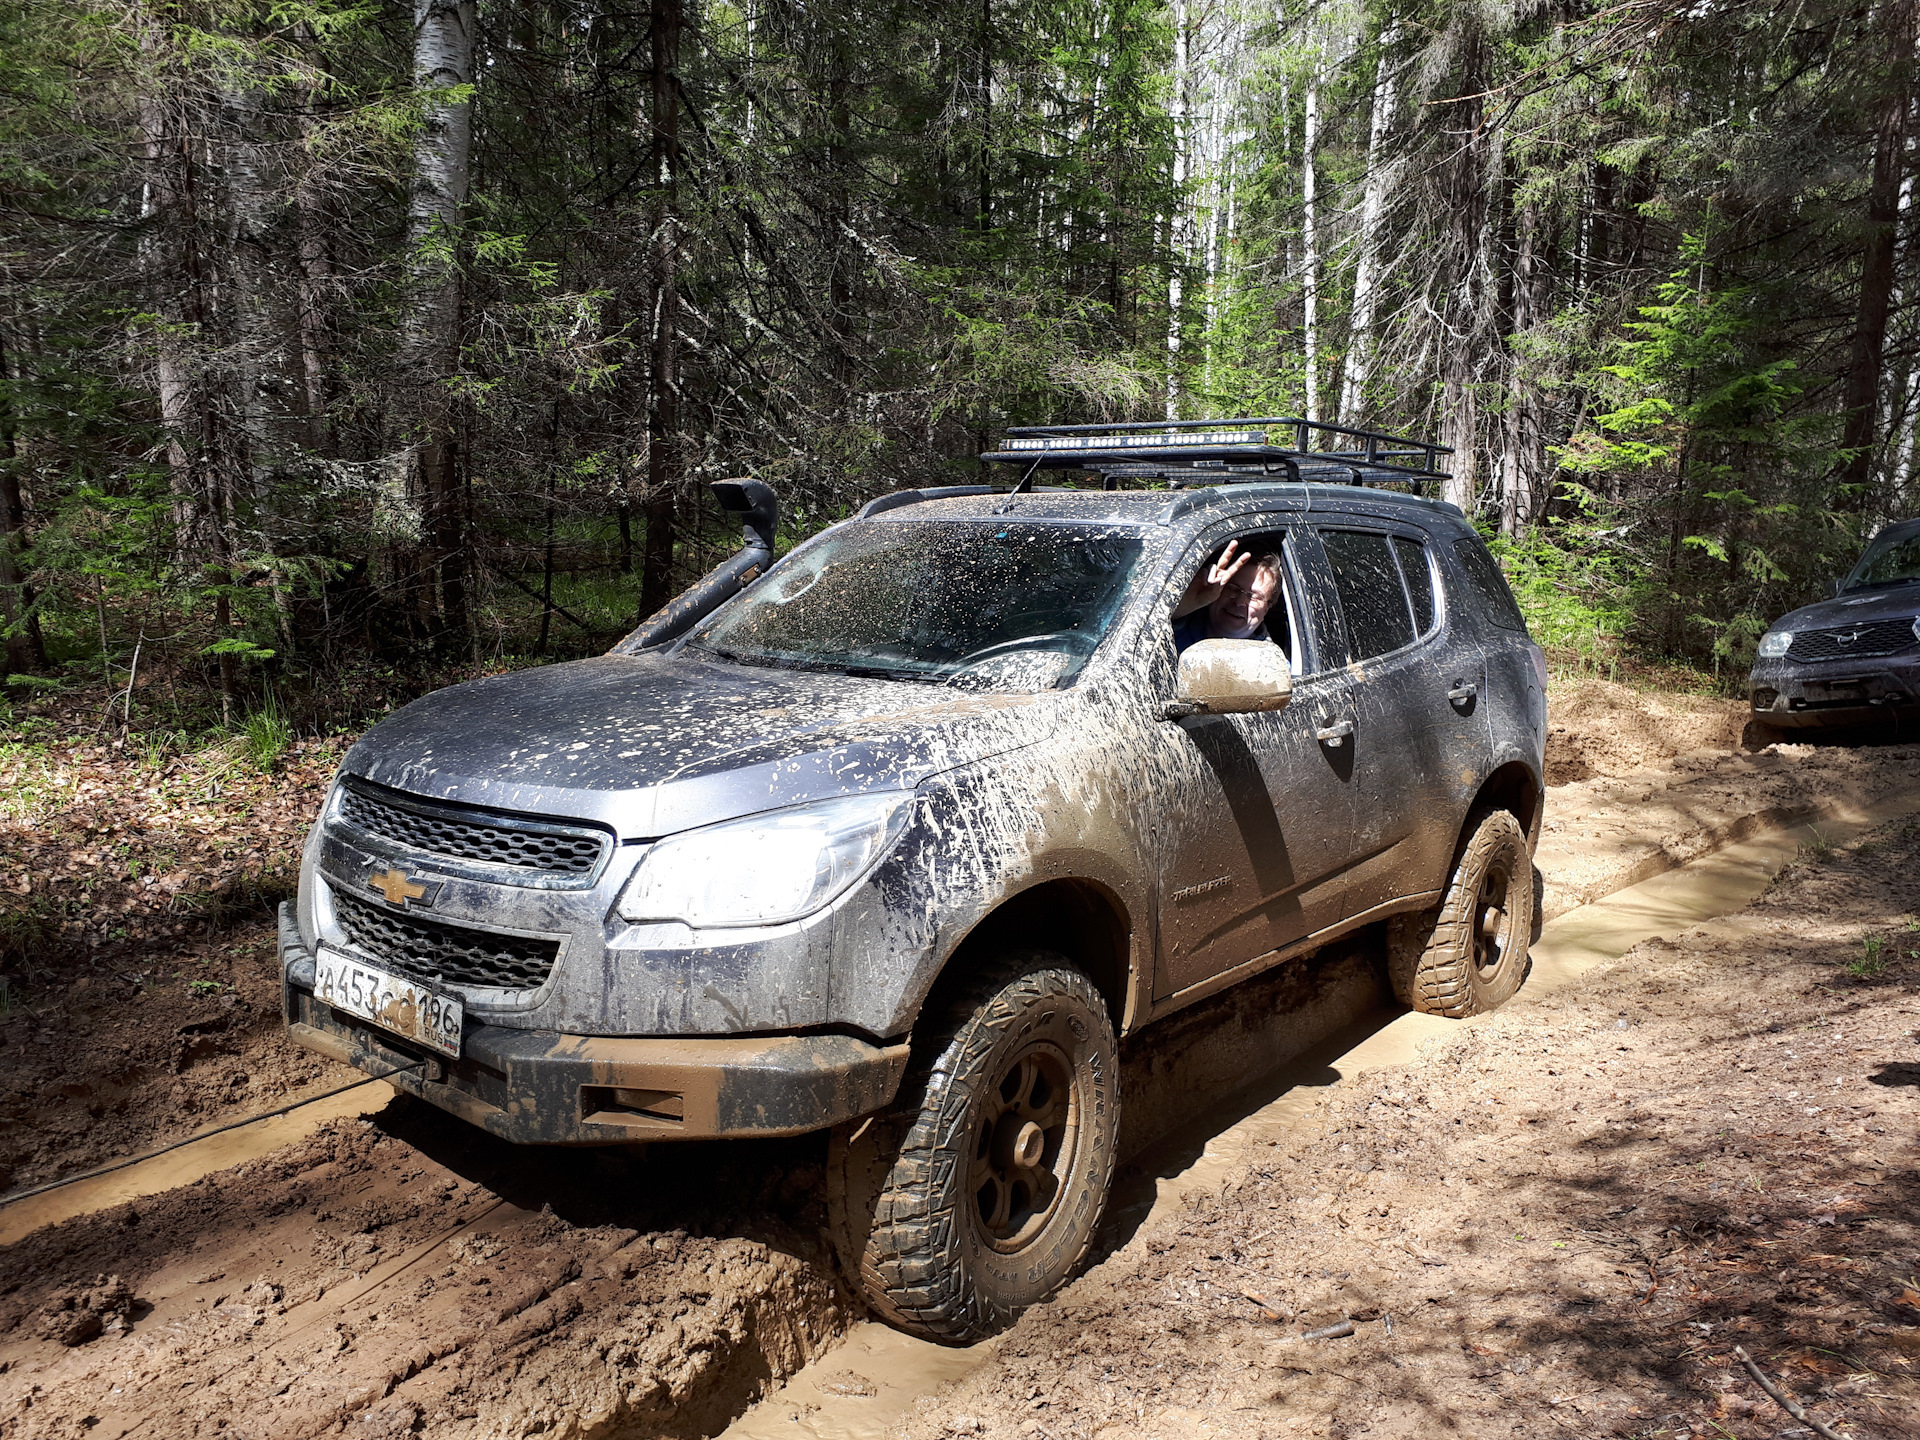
x: 1565, y: 1218
x: 1597, y: 728
x: 407, y: 1278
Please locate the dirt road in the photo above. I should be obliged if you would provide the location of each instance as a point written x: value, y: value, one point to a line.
x: 1563, y: 1218
x: 405, y: 1274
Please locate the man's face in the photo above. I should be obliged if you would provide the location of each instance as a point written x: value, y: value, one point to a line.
x: 1244, y: 602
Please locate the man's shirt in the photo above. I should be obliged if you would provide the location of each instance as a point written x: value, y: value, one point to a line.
x: 1189, y: 628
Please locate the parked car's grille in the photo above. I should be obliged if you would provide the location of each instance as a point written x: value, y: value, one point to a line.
x: 425, y: 949
x: 1846, y: 642
x: 554, y: 849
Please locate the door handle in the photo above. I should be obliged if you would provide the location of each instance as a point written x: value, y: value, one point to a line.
x: 1463, y: 691
x: 1333, y: 732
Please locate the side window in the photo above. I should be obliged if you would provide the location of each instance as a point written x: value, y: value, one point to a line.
x: 1487, y: 593
x: 1241, y: 590
x: 1371, y: 596
x: 1419, y: 577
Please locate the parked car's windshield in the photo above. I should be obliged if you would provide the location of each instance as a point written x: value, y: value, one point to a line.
x: 1887, y: 562
x: 1000, y: 606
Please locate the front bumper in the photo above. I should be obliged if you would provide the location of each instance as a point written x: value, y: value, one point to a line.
x: 541, y: 1088
x: 1798, y: 695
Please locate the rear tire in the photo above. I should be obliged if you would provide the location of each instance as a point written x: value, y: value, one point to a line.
x: 1469, y: 954
x: 975, y: 1195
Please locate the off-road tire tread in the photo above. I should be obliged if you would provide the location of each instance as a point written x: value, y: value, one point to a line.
x: 908, y: 1270
x: 1430, y: 954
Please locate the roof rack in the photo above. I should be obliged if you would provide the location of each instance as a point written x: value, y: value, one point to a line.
x: 1222, y: 452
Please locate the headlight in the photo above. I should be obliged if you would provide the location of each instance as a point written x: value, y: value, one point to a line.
x: 1916, y: 627
x: 1774, y: 644
x: 766, y: 868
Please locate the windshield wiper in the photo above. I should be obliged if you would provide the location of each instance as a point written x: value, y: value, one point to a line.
x: 875, y: 672
x: 819, y: 667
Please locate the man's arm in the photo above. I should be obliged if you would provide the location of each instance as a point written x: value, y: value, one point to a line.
x: 1210, y: 581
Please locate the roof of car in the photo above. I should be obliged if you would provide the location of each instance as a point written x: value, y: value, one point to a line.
x: 1144, y: 507
x: 1897, y: 530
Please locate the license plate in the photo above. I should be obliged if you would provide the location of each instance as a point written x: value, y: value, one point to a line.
x: 389, y: 1001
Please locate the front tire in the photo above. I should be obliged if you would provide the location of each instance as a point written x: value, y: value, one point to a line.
x: 975, y: 1195
x: 1469, y: 954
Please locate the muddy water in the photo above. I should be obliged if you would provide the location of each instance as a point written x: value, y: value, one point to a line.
x: 864, y: 1387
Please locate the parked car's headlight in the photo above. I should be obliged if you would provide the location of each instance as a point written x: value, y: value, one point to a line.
x: 1916, y: 627
x: 1774, y: 644
x: 767, y: 868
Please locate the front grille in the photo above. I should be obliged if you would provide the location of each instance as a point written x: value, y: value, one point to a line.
x: 476, y: 835
x: 1865, y: 641
x: 426, y: 950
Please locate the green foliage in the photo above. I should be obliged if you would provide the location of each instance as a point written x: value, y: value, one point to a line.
x: 1575, y: 590
x: 1727, y: 476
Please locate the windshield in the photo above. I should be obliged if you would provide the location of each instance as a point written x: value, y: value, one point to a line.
x: 1892, y: 561
x: 990, y: 606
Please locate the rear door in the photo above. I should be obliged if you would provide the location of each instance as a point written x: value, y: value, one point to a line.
x: 1419, y: 740
x: 1258, y: 822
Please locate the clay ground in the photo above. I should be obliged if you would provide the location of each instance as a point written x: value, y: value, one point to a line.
x: 403, y: 1274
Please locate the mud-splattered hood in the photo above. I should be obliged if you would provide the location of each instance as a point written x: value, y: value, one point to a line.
x: 1854, y: 608
x: 654, y: 744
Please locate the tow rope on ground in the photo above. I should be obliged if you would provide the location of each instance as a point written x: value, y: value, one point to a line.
x: 6, y: 1200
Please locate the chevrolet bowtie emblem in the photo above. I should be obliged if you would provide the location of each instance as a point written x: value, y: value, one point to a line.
x: 400, y: 887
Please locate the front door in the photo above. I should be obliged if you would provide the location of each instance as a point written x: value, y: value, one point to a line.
x: 1258, y: 820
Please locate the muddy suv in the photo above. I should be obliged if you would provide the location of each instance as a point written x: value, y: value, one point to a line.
x: 895, y: 836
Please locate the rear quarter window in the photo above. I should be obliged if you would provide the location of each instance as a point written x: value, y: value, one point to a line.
x: 1486, y: 594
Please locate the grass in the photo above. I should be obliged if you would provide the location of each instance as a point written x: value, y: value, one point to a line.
x: 1872, y: 962
x: 267, y: 733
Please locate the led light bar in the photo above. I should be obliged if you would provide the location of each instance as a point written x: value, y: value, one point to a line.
x: 1179, y: 439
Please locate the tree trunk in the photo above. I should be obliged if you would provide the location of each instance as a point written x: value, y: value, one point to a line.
x: 1177, y: 225
x: 1310, y: 241
x: 25, y: 648
x: 1462, y: 272
x: 1877, y: 271
x: 1373, y: 206
x: 663, y: 378
x: 170, y: 271
x: 442, y: 57
x: 250, y: 202
x: 1526, y: 444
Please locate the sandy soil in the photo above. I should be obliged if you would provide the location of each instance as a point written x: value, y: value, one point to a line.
x: 405, y: 1273
x: 1561, y: 1221
x: 1598, y: 728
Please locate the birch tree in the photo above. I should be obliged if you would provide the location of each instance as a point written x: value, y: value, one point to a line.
x: 443, y: 36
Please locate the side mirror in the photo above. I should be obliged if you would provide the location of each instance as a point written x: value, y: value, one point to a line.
x: 1231, y: 677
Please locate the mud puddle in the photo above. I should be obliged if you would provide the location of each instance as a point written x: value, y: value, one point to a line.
x: 878, y: 1379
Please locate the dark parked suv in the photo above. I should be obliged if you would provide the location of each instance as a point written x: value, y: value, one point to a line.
x: 895, y: 836
x: 1853, y: 659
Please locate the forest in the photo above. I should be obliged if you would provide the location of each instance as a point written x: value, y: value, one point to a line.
x: 347, y: 347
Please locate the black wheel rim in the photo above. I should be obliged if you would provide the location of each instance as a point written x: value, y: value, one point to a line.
x: 1023, y: 1148
x: 1490, y: 920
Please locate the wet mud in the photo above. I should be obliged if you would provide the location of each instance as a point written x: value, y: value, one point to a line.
x: 402, y: 1273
